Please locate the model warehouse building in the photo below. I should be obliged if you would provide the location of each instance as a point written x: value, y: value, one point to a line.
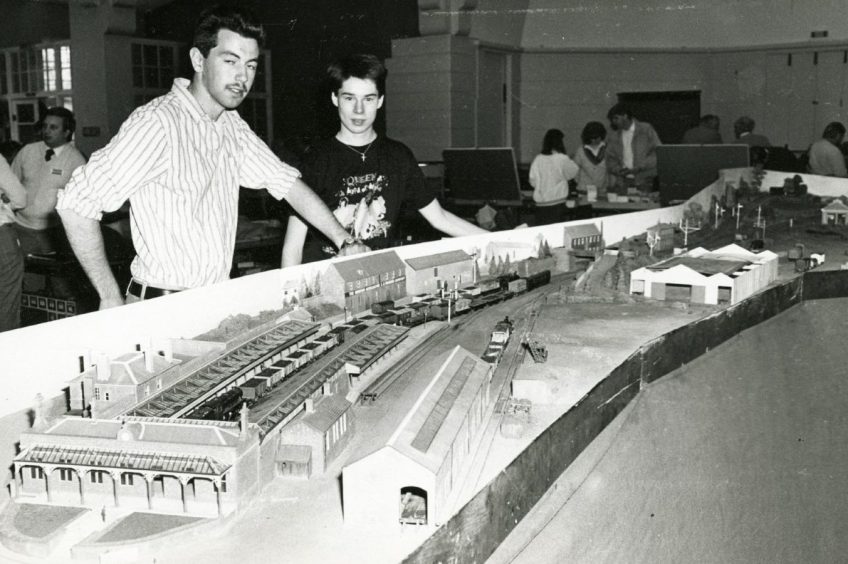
x: 726, y: 275
x: 418, y: 472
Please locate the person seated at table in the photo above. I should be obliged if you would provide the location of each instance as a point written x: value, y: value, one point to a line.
x: 550, y: 173
x: 825, y: 156
x: 705, y: 133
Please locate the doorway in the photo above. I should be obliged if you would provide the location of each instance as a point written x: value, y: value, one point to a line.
x: 671, y: 112
x: 25, y: 117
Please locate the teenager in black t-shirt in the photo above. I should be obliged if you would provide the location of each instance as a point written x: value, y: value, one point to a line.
x: 362, y: 177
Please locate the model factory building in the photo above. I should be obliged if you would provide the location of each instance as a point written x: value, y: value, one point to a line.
x: 417, y: 473
x: 726, y: 275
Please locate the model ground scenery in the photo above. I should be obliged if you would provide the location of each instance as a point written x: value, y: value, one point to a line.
x: 387, y: 390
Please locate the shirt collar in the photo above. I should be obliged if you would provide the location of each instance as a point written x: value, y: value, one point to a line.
x: 632, y: 127
x: 56, y: 150
x: 180, y: 90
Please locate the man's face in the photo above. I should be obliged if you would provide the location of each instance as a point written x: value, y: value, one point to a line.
x: 620, y: 122
x: 227, y: 73
x: 358, y: 101
x: 53, y: 132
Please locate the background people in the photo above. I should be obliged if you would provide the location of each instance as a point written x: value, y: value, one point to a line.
x: 44, y: 167
x: 550, y: 174
x: 631, y: 151
x: 744, y: 130
x: 591, y: 160
x: 705, y: 133
x: 825, y: 156
x: 184, y: 203
x: 12, y: 196
x: 364, y: 177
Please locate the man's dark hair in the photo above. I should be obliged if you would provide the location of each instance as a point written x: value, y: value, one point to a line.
x: 620, y: 110
x: 365, y: 67
x: 593, y: 130
x: 225, y: 16
x: 553, y: 141
x: 69, y: 123
x: 833, y: 130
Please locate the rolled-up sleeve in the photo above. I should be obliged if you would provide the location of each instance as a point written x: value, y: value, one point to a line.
x: 260, y: 167
x: 134, y: 157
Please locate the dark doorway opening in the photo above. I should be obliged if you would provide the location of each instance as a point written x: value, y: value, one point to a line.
x: 671, y: 113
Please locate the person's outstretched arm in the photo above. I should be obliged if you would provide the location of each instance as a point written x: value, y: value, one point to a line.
x: 448, y: 223
x: 87, y: 242
x: 293, y: 244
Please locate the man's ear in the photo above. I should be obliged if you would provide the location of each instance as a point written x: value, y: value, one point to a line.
x: 380, y: 102
x: 335, y: 98
x: 197, y: 59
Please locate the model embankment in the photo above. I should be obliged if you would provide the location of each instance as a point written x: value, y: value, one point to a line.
x: 474, y: 533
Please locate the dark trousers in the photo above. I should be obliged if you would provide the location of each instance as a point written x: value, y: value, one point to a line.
x: 11, y: 278
x: 545, y: 215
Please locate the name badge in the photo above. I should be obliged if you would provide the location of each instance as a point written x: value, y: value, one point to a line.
x: 57, y: 171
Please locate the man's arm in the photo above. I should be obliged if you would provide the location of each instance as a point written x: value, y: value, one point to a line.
x: 11, y: 187
x: 448, y: 223
x: 87, y: 242
x: 311, y: 208
x: 293, y: 244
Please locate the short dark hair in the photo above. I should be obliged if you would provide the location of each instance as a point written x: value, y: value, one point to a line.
x: 620, y: 109
x: 225, y: 16
x: 744, y: 124
x: 833, y: 129
x: 363, y: 66
x: 593, y: 130
x: 69, y: 122
x: 553, y: 141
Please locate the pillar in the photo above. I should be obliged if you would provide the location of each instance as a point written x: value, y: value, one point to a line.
x: 148, y: 481
x: 183, y: 483
x: 81, y: 477
x: 101, y: 68
x: 432, y: 81
x: 116, y: 477
x: 47, y: 471
x: 217, y: 482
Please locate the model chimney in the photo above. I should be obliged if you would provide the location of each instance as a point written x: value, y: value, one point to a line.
x: 309, y: 405
x: 103, y: 367
x: 243, y: 420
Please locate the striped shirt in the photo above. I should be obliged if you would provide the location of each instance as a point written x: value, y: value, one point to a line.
x: 181, y: 172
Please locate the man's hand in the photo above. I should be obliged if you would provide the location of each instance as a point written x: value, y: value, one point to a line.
x: 353, y: 249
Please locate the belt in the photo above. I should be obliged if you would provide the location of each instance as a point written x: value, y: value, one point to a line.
x: 145, y: 292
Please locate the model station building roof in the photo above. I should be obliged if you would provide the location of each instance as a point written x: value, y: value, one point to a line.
x: 439, y: 259
x: 368, y: 265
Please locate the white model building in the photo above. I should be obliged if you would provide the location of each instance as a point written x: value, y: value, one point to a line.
x: 424, y: 274
x: 723, y: 276
x: 415, y: 475
x: 177, y: 466
x: 364, y: 280
x: 835, y: 213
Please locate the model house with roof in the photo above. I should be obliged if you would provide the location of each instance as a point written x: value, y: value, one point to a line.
x: 363, y: 280
x: 175, y: 466
x: 313, y: 439
x: 662, y: 236
x: 583, y: 238
x: 426, y: 274
x: 723, y: 276
x: 415, y: 476
x: 835, y: 213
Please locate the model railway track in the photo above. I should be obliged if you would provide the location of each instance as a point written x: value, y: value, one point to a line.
x: 383, y: 382
x: 363, y: 352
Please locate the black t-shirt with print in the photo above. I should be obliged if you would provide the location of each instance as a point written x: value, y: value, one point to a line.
x: 365, y: 196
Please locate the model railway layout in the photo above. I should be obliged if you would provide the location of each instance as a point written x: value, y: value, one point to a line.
x: 227, y: 371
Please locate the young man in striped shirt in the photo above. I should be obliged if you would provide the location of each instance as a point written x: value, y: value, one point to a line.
x: 180, y: 160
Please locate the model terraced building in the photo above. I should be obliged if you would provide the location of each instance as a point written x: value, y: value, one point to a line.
x: 723, y: 276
